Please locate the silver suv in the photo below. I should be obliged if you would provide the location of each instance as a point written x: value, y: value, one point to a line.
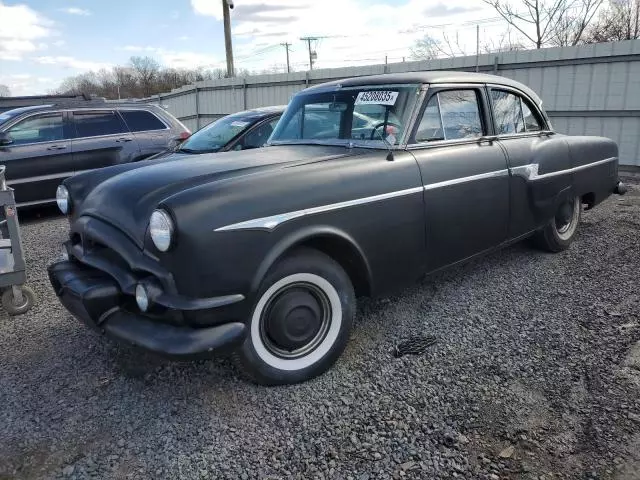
x: 42, y: 145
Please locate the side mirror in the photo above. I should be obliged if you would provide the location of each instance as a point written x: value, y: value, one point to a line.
x: 5, y: 139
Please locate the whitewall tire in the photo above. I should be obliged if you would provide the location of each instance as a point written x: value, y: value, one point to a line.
x: 300, y: 321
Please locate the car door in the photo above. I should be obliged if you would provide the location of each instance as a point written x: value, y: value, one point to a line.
x: 254, y: 137
x: 522, y: 131
x: 101, y: 139
x: 465, y: 175
x: 151, y: 133
x: 39, y: 156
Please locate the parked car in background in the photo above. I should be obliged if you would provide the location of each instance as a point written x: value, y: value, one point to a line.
x: 367, y: 184
x: 44, y: 144
x: 238, y: 131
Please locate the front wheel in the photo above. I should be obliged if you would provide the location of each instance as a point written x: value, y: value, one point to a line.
x: 558, y: 234
x: 301, y: 320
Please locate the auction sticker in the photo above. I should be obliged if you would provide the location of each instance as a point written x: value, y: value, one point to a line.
x: 239, y: 123
x: 376, y: 97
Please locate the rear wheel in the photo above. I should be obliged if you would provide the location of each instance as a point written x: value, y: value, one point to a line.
x: 558, y: 234
x: 301, y: 320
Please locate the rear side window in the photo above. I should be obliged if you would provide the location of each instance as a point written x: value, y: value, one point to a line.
x: 142, y: 121
x: 451, y: 115
x: 513, y: 114
x: 41, y: 128
x: 507, y: 111
x: 94, y: 124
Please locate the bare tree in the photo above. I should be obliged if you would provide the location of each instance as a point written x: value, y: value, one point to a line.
x: 4, y: 91
x: 544, y: 22
x: 427, y: 48
x: 146, y: 68
x: 504, y: 43
x: 620, y: 20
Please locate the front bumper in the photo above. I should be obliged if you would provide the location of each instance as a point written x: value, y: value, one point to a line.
x: 97, y: 300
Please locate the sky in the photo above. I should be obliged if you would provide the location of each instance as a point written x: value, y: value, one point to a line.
x: 44, y: 41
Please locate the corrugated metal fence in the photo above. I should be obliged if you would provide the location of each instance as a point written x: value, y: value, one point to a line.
x: 587, y: 90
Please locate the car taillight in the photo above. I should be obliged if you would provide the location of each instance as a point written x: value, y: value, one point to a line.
x: 185, y: 135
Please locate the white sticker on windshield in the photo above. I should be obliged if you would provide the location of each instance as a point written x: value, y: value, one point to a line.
x: 376, y: 97
x: 239, y: 123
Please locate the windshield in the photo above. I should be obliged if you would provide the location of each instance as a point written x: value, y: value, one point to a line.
x: 217, y: 134
x: 363, y: 115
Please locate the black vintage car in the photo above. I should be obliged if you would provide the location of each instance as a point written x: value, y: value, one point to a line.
x: 368, y: 183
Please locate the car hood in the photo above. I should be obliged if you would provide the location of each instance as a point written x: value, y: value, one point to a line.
x: 127, y: 198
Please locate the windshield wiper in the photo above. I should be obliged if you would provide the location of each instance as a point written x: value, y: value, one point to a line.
x: 187, y: 150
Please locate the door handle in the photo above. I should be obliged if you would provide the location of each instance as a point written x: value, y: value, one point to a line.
x: 124, y: 139
x: 488, y: 139
x: 57, y: 147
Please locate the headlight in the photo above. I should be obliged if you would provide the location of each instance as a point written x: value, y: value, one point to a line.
x: 142, y: 297
x: 63, y: 199
x: 161, y: 230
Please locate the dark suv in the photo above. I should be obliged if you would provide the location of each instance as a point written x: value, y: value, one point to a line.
x: 42, y: 145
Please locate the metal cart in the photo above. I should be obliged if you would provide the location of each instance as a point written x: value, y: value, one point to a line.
x: 16, y: 297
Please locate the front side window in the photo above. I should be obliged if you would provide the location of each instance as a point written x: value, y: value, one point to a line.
x: 95, y: 124
x: 257, y: 137
x: 365, y: 115
x: 450, y: 115
x: 42, y: 128
x: 142, y: 121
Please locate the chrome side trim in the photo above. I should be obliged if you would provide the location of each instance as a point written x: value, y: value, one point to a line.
x: 530, y: 172
x: 271, y: 222
x: 455, y: 181
x: 51, y: 176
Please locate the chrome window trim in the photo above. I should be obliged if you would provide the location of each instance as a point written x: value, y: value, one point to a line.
x: 9, y: 126
x: 521, y: 94
x: 445, y: 87
x: 134, y: 109
x: 529, y: 172
x: 72, y: 110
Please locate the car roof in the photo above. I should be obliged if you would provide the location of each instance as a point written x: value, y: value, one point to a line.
x: 428, y: 77
x: 82, y: 105
x: 259, y: 113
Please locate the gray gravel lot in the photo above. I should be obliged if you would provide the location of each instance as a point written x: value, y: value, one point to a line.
x: 536, y: 375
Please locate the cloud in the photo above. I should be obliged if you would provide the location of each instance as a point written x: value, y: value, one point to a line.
x: 20, y: 29
x: 76, y: 11
x: 444, y: 10
x: 58, y: 43
x: 139, y: 48
x: 71, y: 62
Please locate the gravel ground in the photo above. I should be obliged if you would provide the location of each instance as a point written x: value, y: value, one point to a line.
x: 536, y: 375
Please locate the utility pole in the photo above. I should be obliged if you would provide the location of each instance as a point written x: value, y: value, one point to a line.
x: 226, y: 5
x: 286, y: 46
x: 478, y: 48
x: 311, y: 53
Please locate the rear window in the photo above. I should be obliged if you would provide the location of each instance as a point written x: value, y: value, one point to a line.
x: 94, y: 124
x: 142, y: 121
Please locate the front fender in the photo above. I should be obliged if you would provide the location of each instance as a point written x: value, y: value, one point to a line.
x: 303, y: 236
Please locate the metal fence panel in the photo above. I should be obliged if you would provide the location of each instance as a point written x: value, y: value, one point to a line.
x: 587, y: 90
